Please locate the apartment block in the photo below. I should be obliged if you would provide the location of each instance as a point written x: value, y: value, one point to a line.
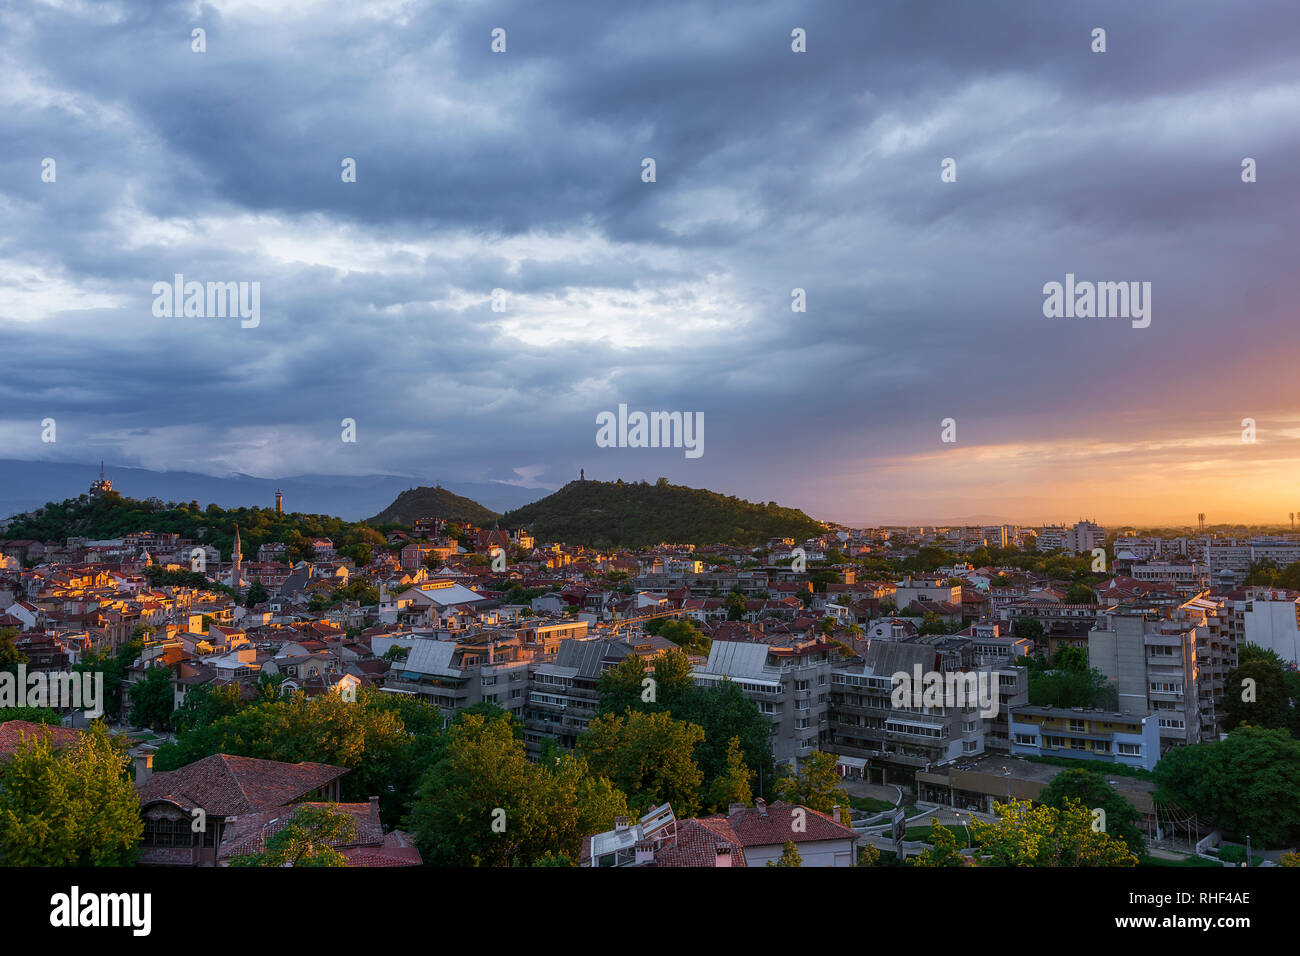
x: 1085, y: 734
x: 1152, y: 659
x: 791, y: 685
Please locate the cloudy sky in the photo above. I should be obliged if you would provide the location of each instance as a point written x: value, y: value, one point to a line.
x: 775, y: 170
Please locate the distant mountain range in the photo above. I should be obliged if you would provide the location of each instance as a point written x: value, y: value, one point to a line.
x: 433, y: 503
x: 26, y: 485
x: 636, y: 514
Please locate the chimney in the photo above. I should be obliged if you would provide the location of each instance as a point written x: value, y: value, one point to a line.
x: 143, y: 767
x: 645, y: 852
x: 761, y: 806
x: 722, y: 855
x: 835, y: 813
x: 735, y: 808
x: 621, y: 824
x: 374, y: 808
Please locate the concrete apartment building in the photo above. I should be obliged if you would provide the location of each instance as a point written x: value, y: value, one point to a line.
x: 1083, y: 537
x: 1270, y: 618
x: 869, y: 732
x: 1153, y: 662
x: 1188, y: 578
x: 790, y: 684
x: 563, y: 695
x: 1085, y: 734
x: 457, y: 674
x: 921, y: 589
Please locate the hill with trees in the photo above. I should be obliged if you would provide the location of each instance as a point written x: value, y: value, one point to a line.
x: 638, y: 514
x: 432, y: 503
x: 114, y: 516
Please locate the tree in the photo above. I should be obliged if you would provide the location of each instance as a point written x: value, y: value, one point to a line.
x: 1091, y: 789
x: 10, y: 656
x: 724, y: 712
x: 789, y: 856
x: 257, y: 594
x: 735, y: 605
x: 1025, y: 835
x: 72, y: 807
x: 1080, y: 594
x: 943, y: 849
x: 386, y: 740
x: 206, y: 704
x: 1029, y: 629
x: 815, y: 785
x: 674, y: 677
x: 734, y: 785
x: 484, y: 804
x: 114, y: 667
x: 1248, y: 784
x: 306, y: 840
x: 1273, y: 700
x: 868, y: 855
x: 621, y: 687
x: 650, y: 757
x: 1071, y: 659
x: 685, y: 635
x: 152, y: 698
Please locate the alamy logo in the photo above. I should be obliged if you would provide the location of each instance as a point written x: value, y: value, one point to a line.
x: 651, y: 430
x: 957, y: 689
x: 56, y: 689
x: 213, y: 300
x: 1102, y: 300
x: 73, y: 909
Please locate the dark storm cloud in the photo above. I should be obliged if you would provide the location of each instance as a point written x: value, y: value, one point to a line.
x: 522, y: 171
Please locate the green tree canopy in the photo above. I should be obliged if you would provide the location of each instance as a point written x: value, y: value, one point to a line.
x: 70, y: 807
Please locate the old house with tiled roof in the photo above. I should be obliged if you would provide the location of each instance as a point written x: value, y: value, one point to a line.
x: 220, y: 788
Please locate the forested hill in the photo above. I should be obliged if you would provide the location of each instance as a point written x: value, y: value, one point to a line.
x: 433, y: 503
x: 631, y: 515
x: 114, y: 516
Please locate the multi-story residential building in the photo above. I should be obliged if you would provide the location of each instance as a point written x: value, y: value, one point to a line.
x: 1051, y: 538
x: 455, y: 675
x: 868, y: 730
x: 562, y: 695
x: 1152, y: 661
x: 920, y: 589
x: 1084, y: 734
x: 791, y: 685
x: 1083, y: 537
x: 1270, y: 618
x: 1188, y: 578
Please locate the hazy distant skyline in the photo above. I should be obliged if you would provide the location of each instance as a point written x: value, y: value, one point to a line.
x: 775, y: 171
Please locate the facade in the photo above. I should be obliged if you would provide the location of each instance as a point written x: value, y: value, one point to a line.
x: 1270, y: 618
x: 868, y: 728
x: 1079, y: 733
x: 1152, y: 661
x: 791, y: 686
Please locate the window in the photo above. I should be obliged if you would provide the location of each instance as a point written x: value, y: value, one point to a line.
x: 1128, y: 750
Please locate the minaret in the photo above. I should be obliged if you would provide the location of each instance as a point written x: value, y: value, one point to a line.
x: 236, y: 559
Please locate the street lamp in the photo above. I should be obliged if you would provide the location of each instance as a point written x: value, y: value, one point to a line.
x: 964, y: 827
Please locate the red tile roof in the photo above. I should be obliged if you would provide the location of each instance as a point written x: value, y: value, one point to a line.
x: 225, y: 785
x: 14, y: 732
